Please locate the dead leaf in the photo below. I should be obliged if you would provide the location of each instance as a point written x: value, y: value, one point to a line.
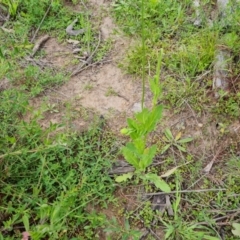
x: 74, y: 42
x: 169, y: 172
x: 208, y: 168
x: 178, y: 136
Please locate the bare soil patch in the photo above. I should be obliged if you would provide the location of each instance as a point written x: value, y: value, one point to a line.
x: 103, y: 89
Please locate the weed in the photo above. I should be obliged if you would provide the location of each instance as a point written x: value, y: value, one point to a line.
x: 52, y: 108
x: 180, y: 229
x: 124, y: 232
x: 103, y: 50
x: 50, y: 177
x: 136, y: 152
x: 88, y: 87
x: 54, y: 180
x: 175, y: 141
x: 111, y: 92
x: 228, y: 105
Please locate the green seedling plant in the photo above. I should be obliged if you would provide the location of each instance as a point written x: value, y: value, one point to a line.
x: 179, y: 229
x: 136, y: 152
x: 121, y: 232
x: 176, y: 141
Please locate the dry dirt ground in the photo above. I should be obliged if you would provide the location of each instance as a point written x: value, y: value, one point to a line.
x: 104, y: 89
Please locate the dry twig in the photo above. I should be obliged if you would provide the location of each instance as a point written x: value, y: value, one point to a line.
x: 184, y: 191
x: 46, y: 13
x: 38, y: 44
x: 89, y: 59
x: 208, y: 168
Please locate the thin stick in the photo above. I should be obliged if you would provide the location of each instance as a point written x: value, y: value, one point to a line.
x: 88, y: 66
x: 19, y: 152
x: 38, y: 44
x: 220, y: 218
x: 197, y: 181
x: 89, y: 58
x: 154, y: 234
x: 208, y: 168
x: 183, y: 191
x: 143, y: 57
x: 46, y: 13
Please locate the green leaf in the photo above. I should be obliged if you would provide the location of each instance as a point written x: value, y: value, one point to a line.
x: 55, y: 214
x: 130, y: 156
x: 165, y: 148
x: 142, y: 116
x: 168, y: 134
x: 153, y: 85
x: 131, y: 146
x: 158, y: 182
x: 207, y: 237
x: 236, y: 230
x: 126, y: 224
x: 124, y: 177
x: 132, y: 124
x: 134, y: 128
x: 155, y: 88
x: 153, y: 118
x: 180, y: 148
x: 147, y: 157
x: 25, y: 220
x: 169, y: 172
x: 185, y: 140
x: 169, y: 232
x: 125, y: 131
x: 159, y: 63
x: 139, y: 144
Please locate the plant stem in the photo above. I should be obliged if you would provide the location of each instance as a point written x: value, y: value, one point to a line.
x: 143, y: 56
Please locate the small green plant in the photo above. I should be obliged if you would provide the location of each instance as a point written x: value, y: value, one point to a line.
x: 52, y: 108
x: 123, y: 232
x: 136, y: 152
x: 88, y: 87
x: 176, y: 141
x: 228, y: 104
x: 111, y: 92
x: 186, y: 231
x: 179, y: 229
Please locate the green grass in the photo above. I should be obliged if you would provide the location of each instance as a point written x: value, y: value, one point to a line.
x: 189, y: 51
x: 49, y: 177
